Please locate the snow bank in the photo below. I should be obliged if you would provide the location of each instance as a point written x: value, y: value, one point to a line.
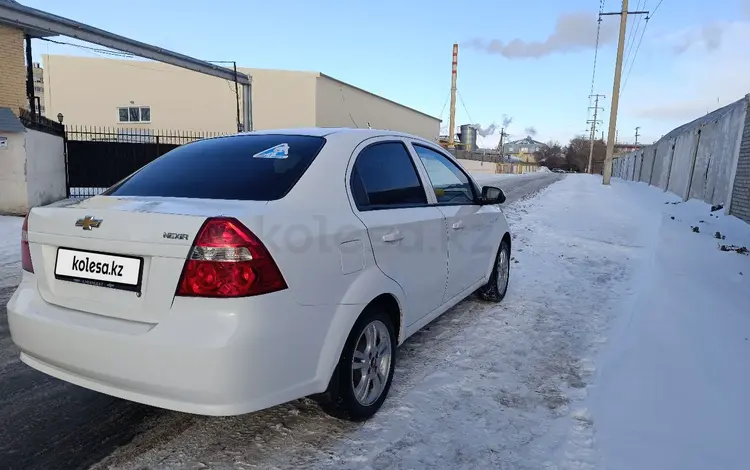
x: 10, y: 251
x: 673, y: 384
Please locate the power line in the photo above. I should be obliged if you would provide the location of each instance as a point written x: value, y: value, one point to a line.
x: 471, y: 121
x: 632, y: 35
x: 631, y: 31
x: 442, y: 110
x: 596, y: 48
x: 656, y: 8
x: 92, y: 49
x: 627, y: 74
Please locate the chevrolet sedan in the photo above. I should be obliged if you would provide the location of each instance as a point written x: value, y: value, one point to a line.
x: 237, y: 273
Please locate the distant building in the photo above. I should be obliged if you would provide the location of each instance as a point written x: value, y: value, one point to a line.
x: 143, y: 96
x: 523, y: 150
x: 39, y: 87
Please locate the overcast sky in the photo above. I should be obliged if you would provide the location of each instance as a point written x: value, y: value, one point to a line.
x: 530, y: 61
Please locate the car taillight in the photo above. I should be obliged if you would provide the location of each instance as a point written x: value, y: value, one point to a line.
x: 25, y: 250
x: 228, y: 260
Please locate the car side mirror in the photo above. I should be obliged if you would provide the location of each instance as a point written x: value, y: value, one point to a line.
x: 492, y: 195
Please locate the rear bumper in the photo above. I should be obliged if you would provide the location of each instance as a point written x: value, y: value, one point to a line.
x: 248, y: 355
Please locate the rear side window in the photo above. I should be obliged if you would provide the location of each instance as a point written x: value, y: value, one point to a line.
x: 243, y: 167
x: 384, y: 177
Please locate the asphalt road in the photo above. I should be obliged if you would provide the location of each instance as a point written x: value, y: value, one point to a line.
x: 46, y: 423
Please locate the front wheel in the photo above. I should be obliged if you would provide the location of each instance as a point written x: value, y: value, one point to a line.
x: 495, y: 289
x: 363, y: 376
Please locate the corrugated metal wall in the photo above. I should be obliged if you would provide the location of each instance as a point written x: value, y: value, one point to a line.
x: 697, y: 160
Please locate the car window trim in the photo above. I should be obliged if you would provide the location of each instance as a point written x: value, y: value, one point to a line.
x: 472, y: 185
x: 380, y: 207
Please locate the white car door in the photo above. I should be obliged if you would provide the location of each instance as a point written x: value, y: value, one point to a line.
x: 408, y: 235
x: 471, y: 243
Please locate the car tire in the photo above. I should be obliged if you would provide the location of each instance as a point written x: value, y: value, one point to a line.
x: 351, y: 393
x: 497, y: 287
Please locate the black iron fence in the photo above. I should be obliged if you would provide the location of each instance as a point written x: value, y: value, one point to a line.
x: 41, y: 123
x: 98, y: 157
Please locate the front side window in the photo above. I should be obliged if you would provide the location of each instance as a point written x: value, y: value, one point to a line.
x: 384, y: 177
x: 450, y: 183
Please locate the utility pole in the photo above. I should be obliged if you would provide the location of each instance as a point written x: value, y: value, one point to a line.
x: 593, y: 122
x: 502, y: 138
x: 637, y: 135
x: 237, y: 97
x: 454, y: 80
x: 607, y: 173
x: 30, y: 78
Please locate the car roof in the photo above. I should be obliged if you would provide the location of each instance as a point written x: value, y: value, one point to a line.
x: 325, y: 131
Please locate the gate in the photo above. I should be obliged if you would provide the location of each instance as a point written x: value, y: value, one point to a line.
x: 97, y: 158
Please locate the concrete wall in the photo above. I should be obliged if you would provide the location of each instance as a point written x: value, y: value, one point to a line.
x: 698, y: 160
x: 32, y: 171
x: 740, y: 203
x: 12, y: 69
x: 517, y: 168
x: 13, y: 189
x: 474, y: 166
x: 45, y: 168
x: 341, y: 105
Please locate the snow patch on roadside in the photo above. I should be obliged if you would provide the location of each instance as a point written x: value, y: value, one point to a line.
x: 672, y: 386
x: 10, y: 252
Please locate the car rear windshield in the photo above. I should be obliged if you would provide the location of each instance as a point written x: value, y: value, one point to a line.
x: 241, y: 167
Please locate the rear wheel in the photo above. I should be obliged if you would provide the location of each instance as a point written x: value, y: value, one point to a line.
x: 495, y: 289
x: 363, y: 376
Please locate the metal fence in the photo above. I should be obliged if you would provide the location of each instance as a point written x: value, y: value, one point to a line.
x: 41, y: 123
x: 99, y: 157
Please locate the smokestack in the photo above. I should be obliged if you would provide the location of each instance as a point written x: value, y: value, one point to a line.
x: 454, y: 79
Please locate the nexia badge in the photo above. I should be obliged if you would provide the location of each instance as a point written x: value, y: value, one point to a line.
x: 280, y: 151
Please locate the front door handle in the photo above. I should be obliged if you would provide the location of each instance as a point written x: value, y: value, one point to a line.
x: 458, y: 225
x: 393, y: 237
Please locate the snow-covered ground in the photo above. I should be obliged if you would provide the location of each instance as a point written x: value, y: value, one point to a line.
x: 672, y: 387
x: 622, y: 344
x: 10, y: 251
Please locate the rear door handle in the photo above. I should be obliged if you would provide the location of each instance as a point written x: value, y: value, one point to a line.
x: 393, y: 237
x: 458, y: 225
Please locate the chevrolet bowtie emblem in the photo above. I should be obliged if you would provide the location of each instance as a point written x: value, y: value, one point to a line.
x: 88, y: 222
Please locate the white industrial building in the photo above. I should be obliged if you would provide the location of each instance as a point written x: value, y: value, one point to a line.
x: 137, y: 94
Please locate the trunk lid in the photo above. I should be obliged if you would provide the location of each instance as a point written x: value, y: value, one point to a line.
x: 120, y: 256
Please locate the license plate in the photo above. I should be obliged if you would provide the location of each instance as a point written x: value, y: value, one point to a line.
x: 99, y: 269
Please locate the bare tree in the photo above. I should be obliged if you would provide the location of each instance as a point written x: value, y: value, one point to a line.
x: 577, y: 153
x: 552, y: 155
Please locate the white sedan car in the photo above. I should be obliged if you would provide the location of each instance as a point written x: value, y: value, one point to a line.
x: 237, y: 273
